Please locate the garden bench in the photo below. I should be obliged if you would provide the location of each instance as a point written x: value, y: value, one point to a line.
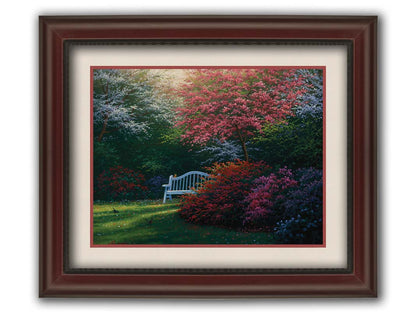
x: 184, y: 184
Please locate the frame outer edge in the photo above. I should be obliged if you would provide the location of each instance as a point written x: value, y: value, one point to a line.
x: 372, y: 166
x: 365, y: 158
x: 50, y: 157
x: 54, y: 283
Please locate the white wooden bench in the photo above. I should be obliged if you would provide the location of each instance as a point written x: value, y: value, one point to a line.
x: 184, y: 184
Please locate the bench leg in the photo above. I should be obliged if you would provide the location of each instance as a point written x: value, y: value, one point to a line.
x: 164, y: 197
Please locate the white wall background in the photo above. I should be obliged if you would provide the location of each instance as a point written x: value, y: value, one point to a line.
x: 19, y: 148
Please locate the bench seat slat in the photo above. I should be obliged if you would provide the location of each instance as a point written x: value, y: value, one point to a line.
x: 180, y: 192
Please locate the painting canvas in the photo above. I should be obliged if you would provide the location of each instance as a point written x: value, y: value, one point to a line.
x: 208, y: 156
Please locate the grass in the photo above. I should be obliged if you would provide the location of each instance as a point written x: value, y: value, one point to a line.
x: 151, y: 222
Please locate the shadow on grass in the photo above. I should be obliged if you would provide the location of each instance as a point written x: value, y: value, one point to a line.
x: 151, y: 222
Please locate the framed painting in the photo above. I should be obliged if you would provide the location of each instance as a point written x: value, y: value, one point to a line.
x: 208, y: 156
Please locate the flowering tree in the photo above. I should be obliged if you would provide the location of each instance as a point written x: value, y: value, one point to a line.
x: 128, y: 101
x: 235, y: 103
x: 312, y: 99
x: 133, y: 109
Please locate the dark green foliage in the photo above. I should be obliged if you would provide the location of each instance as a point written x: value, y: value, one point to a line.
x: 295, y: 144
x: 159, y: 155
x: 106, y: 156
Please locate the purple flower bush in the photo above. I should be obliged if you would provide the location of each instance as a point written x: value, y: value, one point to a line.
x: 308, y: 193
x: 301, y: 220
x: 305, y: 228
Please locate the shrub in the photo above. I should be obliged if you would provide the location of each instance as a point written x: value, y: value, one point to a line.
x: 247, y: 196
x: 305, y: 228
x: 265, y: 201
x: 309, y: 192
x: 119, y: 183
x: 220, y: 200
x: 301, y: 220
x: 154, y: 186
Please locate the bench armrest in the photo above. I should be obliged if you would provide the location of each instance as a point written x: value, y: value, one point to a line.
x: 165, y: 185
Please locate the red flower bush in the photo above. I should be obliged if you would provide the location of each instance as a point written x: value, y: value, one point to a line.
x: 220, y: 200
x: 119, y: 183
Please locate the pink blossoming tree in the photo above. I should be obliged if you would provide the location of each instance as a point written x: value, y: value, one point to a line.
x: 236, y: 103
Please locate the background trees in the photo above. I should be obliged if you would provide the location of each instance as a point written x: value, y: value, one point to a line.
x: 157, y: 123
x: 134, y: 114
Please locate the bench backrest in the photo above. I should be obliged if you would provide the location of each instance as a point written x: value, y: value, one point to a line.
x: 187, y: 181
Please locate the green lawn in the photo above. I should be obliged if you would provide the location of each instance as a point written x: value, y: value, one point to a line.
x: 151, y: 222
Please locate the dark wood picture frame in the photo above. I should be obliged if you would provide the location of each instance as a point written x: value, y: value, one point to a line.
x: 57, y: 280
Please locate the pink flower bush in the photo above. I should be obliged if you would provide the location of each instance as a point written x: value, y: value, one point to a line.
x: 267, y: 195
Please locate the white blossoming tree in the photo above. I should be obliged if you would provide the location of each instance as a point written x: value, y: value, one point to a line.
x: 128, y: 101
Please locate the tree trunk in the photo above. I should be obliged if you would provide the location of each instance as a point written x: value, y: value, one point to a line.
x: 100, y: 136
x: 243, y: 144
